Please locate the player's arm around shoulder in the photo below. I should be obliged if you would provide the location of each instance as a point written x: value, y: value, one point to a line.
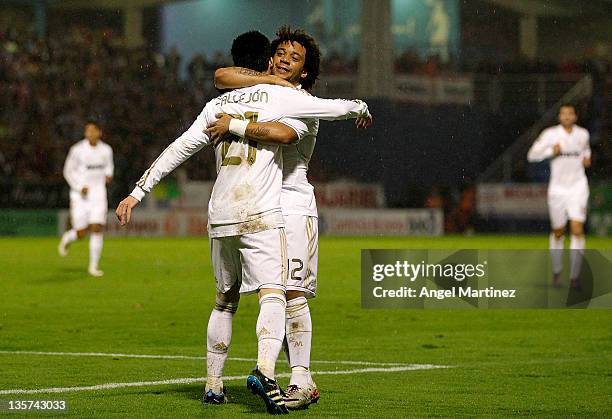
x: 237, y: 77
x: 276, y: 132
x: 289, y: 131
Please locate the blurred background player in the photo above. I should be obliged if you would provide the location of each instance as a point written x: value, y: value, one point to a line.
x: 567, y: 147
x: 88, y: 170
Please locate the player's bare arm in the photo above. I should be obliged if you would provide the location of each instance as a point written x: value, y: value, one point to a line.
x: 237, y: 77
x: 586, y: 162
x: 265, y: 132
x: 109, y: 179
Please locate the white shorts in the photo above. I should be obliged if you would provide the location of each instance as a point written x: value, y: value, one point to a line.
x: 303, y: 250
x: 567, y: 206
x: 254, y: 260
x: 86, y: 211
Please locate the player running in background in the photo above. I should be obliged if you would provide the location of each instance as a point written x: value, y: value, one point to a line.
x: 296, y: 58
x: 88, y: 170
x: 248, y: 245
x: 567, y: 147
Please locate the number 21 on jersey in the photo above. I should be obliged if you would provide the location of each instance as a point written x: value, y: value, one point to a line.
x: 251, y: 146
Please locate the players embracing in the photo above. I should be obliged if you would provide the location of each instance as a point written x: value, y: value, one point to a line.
x: 246, y: 222
x: 295, y: 58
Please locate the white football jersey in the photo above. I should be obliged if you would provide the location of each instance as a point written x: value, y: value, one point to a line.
x: 246, y: 194
x: 297, y: 196
x: 566, y: 170
x: 88, y: 166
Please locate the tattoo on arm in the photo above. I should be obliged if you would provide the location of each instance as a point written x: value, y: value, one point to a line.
x: 258, y: 133
x: 248, y: 72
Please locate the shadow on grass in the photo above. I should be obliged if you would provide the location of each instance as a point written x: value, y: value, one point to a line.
x: 237, y: 394
x: 63, y: 275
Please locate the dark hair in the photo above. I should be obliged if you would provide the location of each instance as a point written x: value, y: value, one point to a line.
x: 251, y: 50
x: 93, y: 122
x: 568, y: 105
x: 312, y: 60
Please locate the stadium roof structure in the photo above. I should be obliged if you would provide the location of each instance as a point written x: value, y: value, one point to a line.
x: 557, y: 7
x: 109, y: 4
x: 531, y: 7
x: 91, y: 4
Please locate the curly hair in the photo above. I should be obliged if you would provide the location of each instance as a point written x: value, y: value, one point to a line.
x: 312, y: 60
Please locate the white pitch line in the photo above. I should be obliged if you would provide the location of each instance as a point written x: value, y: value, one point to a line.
x: 111, y: 386
x: 190, y: 357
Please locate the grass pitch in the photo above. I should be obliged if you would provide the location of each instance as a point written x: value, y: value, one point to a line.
x: 157, y: 295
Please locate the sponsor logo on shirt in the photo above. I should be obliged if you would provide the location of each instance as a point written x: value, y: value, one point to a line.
x: 95, y: 166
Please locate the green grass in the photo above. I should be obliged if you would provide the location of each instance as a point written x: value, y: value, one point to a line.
x: 157, y: 294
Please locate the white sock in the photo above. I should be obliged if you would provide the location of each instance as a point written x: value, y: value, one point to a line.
x: 556, y: 253
x: 299, y: 340
x: 218, y: 339
x: 270, y: 332
x: 96, y: 242
x: 69, y: 236
x: 576, y: 254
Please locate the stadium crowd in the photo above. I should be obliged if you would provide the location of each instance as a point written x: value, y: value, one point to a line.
x: 49, y: 87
